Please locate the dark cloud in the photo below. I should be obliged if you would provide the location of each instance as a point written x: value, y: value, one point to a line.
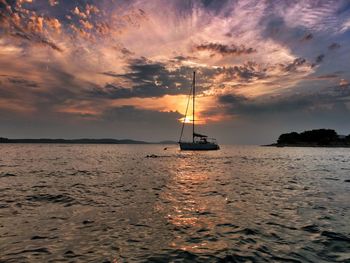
x: 318, y: 60
x: 246, y: 72
x: 334, y: 46
x: 293, y: 66
x: 328, y: 98
x: 21, y: 81
x: 307, y: 37
x: 111, y: 74
x: 50, y: 44
x: 114, y: 92
x: 153, y: 79
x: 225, y: 49
x: 37, y: 40
x: 328, y: 76
x: 149, y: 79
x: 232, y: 99
x: 184, y: 58
x: 238, y: 105
x: 126, y: 52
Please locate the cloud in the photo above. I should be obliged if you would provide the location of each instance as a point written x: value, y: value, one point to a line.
x: 328, y: 76
x: 147, y: 79
x: 86, y: 24
x: 326, y: 99
x: 316, y: 16
x: 132, y: 114
x: 323, y: 77
x: 79, y: 13
x: 37, y: 40
x: 184, y: 58
x: 29, y: 27
x: 232, y: 99
x: 53, y: 2
x: 91, y: 9
x: 54, y: 23
x: 126, y: 52
x: 225, y: 49
x: 307, y: 37
x: 293, y: 66
x: 246, y: 73
x: 20, y: 81
x: 320, y: 58
x: 344, y: 83
x: 334, y: 46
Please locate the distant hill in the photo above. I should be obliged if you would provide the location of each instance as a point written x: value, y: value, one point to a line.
x: 80, y: 141
x: 313, y: 138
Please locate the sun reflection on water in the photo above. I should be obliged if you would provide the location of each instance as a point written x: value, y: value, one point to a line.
x: 192, y: 208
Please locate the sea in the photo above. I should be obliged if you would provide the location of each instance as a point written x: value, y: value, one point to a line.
x: 154, y: 203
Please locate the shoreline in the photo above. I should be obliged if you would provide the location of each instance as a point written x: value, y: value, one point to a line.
x: 78, y: 141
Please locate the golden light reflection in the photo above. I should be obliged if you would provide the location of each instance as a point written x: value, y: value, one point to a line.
x: 191, y: 209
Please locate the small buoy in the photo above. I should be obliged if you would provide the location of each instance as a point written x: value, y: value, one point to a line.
x: 151, y: 156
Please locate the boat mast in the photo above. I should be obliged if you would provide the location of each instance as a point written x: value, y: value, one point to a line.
x: 193, y: 85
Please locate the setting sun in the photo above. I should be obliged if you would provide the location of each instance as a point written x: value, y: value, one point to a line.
x: 189, y: 119
x: 186, y: 119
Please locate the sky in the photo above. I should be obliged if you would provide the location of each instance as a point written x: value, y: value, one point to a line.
x: 123, y: 68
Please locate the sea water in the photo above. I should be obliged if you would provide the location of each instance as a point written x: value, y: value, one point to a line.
x: 142, y: 203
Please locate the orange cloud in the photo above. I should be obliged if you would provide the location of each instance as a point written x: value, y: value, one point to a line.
x: 86, y: 24
x: 53, y: 2
x: 54, y: 23
x: 36, y: 24
x: 79, y: 13
x: 91, y: 9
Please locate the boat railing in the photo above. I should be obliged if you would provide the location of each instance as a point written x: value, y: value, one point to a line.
x: 205, y: 140
x: 212, y: 140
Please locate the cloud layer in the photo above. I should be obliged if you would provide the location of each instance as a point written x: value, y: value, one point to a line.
x: 85, y: 62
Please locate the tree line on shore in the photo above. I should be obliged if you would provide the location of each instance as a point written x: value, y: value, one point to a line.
x: 319, y: 137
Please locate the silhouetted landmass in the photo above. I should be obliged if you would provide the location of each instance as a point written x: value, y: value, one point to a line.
x: 79, y: 141
x: 313, y: 138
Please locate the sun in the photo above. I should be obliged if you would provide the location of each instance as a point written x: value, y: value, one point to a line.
x: 186, y: 119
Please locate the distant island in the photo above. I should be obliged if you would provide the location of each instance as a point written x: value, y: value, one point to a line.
x: 313, y: 138
x: 81, y: 141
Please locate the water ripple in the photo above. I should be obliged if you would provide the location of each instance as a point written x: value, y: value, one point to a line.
x: 132, y: 203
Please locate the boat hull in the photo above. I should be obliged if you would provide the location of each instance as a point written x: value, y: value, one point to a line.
x: 190, y: 146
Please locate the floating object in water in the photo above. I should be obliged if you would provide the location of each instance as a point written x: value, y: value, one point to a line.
x: 152, y: 156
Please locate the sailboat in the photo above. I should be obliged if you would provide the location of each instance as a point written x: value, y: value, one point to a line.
x: 199, y: 141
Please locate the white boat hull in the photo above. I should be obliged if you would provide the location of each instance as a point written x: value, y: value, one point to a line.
x: 190, y: 146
